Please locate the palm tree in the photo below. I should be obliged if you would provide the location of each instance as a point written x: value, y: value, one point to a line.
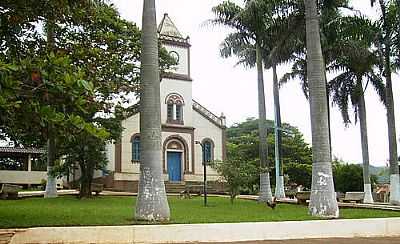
x: 330, y: 15
x: 279, y: 179
x: 358, y: 63
x: 248, y: 22
x: 323, y: 198
x: 51, y: 184
x: 152, y: 204
x: 386, y: 44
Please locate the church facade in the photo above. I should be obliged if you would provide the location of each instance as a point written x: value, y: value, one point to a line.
x: 191, y: 133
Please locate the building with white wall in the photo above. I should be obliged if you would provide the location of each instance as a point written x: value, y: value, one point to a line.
x: 184, y: 122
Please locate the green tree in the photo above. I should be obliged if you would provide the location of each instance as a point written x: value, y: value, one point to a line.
x: 386, y: 43
x: 253, y: 42
x: 88, y: 153
x: 357, y: 62
x: 299, y: 174
x: 323, y: 200
x: 244, y: 141
x: 75, y: 87
x: 245, y: 135
x: 152, y: 204
x: 237, y: 172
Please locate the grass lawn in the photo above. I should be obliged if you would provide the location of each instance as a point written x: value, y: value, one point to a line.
x: 69, y: 211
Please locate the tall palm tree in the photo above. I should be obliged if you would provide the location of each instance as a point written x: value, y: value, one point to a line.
x: 152, y: 204
x: 330, y: 15
x: 51, y: 185
x: 323, y: 198
x: 358, y: 63
x: 248, y: 24
x: 386, y: 44
x: 279, y: 179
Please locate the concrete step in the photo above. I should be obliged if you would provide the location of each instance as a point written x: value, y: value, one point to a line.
x: 172, y: 187
x: 5, y: 236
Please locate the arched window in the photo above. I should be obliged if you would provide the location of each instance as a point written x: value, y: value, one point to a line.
x: 135, y: 148
x: 208, y: 150
x: 175, y: 105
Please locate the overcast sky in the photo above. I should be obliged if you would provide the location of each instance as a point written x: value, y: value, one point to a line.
x: 222, y: 87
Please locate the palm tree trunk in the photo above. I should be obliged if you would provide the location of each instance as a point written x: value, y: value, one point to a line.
x: 152, y: 204
x: 362, y: 115
x: 279, y: 182
x: 394, y: 167
x: 51, y: 184
x: 323, y: 198
x: 265, y: 185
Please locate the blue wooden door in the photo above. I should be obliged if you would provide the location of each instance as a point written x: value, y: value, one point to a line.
x: 174, y: 166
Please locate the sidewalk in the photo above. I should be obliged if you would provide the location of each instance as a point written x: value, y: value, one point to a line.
x: 380, y: 240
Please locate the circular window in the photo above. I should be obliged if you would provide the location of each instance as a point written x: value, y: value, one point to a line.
x: 175, y: 55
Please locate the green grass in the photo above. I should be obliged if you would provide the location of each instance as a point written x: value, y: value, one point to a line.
x: 69, y: 211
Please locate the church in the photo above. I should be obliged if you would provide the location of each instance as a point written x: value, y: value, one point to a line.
x: 191, y: 133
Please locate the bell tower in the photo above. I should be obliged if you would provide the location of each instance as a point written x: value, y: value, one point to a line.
x: 176, y: 82
x: 177, y: 46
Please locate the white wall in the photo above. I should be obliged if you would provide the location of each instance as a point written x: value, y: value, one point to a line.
x: 183, y: 88
x: 22, y: 177
x: 203, y: 129
x: 183, y: 63
x: 131, y: 126
x: 206, y: 129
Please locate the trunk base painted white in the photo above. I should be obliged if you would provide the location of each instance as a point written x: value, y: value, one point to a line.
x: 51, y: 185
x: 212, y: 233
x: 280, y: 188
x: 265, y: 188
x: 368, y: 194
x: 395, y: 189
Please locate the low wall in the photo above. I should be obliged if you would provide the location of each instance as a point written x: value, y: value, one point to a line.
x: 212, y: 232
x: 22, y: 177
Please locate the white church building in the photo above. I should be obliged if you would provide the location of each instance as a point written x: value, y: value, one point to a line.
x: 185, y: 124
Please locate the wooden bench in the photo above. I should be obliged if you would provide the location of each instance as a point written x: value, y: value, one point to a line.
x: 9, y: 191
x: 356, y: 197
x: 97, y: 188
x: 302, y: 197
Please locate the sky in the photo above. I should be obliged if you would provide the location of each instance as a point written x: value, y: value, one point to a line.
x: 221, y: 86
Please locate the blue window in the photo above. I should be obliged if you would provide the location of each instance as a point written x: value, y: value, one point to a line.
x: 179, y: 114
x: 170, y: 112
x: 208, y: 151
x: 135, y: 148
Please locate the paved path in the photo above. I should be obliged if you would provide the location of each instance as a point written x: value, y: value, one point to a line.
x: 381, y: 240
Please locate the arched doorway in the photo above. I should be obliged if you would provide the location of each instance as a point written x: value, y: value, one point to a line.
x: 175, y: 155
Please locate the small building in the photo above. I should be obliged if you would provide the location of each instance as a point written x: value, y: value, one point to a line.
x: 184, y: 122
x: 20, y: 166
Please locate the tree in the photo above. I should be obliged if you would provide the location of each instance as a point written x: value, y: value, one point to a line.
x: 299, y: 174
x: 88, y: 153
x: 152, y: 204
x: 322, y: 200
x: 236, y: 171
x: 253, y: 43
x: 357, y: 63
x: 245, y: 136
x: 79, y: 86
x: 39, y: 75
x: 329, y: 18
x: 386, y: 42
x: 244, y: 141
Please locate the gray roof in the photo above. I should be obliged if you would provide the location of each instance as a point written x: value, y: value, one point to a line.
x: 168, y: 28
